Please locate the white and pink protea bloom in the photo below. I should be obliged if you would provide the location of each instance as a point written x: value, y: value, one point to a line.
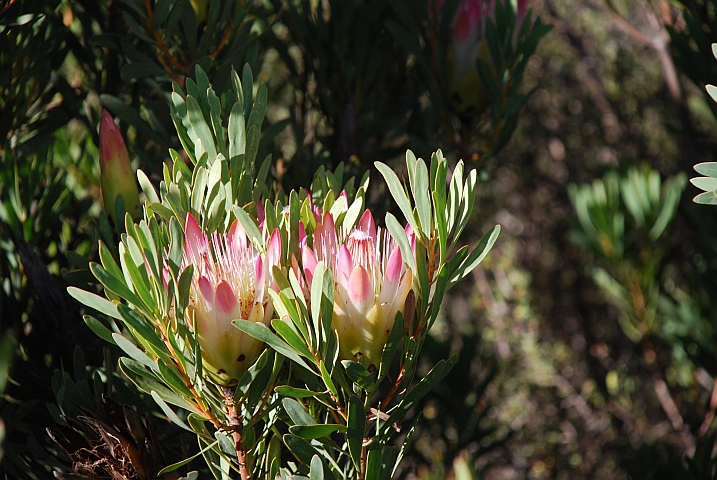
x: 230, y: 282
x: 371, y: 283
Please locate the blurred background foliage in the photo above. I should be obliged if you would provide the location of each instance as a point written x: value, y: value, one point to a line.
x: 587, y: 340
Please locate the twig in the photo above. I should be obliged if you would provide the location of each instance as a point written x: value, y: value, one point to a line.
x: 659, y: 42
x: 235, y: 427
x: 711, y: 413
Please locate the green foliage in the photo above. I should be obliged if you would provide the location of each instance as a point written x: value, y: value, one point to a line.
x: 483, y: 128
x: 692, y: 46
x: 7, y: 352
x: 621, y: 220
x: 149, y: 289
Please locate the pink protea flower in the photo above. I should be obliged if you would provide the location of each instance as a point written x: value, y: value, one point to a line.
x: 116, y: 175
x: 230, y: 282
x: 371, y: 283
x: 467, y: 44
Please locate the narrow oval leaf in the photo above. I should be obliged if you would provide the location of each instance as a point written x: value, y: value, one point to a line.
x: 356, y: 429
x: 92, y: 300
x: 311, y: 432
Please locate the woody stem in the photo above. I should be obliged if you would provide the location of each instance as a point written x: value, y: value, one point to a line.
x: 235, y: 428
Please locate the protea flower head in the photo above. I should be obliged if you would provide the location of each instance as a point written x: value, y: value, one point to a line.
x: 116, y: 178
x: 467, y: 44
x: 230, y: 282
x: 371, y: 283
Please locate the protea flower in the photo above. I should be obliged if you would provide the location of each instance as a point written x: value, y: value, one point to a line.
x: 116, y: 178
x: 230, y: 283
x: 467, y: 44
x: 371, y: 283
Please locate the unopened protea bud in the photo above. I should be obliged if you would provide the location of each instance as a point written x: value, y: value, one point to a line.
x: 371, y: 283
x: 117, y: 178
x: 468, y: 43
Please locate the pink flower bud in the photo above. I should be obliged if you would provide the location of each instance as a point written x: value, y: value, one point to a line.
x: 117, y: 178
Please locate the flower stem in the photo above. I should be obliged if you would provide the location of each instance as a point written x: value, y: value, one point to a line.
x: 235, y: 427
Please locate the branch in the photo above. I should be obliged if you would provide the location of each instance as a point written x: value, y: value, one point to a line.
x: 235, y: 427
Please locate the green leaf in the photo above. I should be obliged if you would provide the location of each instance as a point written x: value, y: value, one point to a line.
x: 288, y: 334
x: 249, y: 226
x: 356, y: 429
x: 706, y: 198
x: 201, y: 130
x: 398, y: 233
x: 131, y: 349
x: 173, y: 379
x: 477, y: 255
x: 391, y: 347
x: 147, y: 187
x: 148, y: 382
x: 358, y: 374
x: 708, y: 169
x: 327, y: 379
x: 91, y: 300
x: 705, y: 183
x: 421, y: 194
x: 237, y: 132
x: 302, y: 449
x: 178, y: 465
x: 398, y: 194
x: 256, y: 117
x: 169, y: 412
x: 99, y: 329
x: 712, y: 91
x: 311, y: 432
x: 262, y: 332
x: 297, y: 413
x: 373, y: 464
x: 317, y: 469
x: 114, y: 284
x: 247, y: 85
x: 145, y: 330
x: 286, y: 391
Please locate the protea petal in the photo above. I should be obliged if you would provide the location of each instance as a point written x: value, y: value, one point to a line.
x: 207, y: 291
x: 392, y: 275
x: 360, y: 290
x: 344, y: 264
x: 225, y: 299
x: 273, y: 253
x: 367, y: 224
x: 328, y: 234
x: 396, y: 300
x: 308, y: 261
x: 194, y: 236
x: 237, y: 236
x: 411, y: 237
x: 260, y: 279
x: 302, y: 234
x: 260, y: 213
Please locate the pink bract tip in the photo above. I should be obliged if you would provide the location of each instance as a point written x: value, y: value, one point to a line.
x: 225, y: 299
x: 359, y: 288
x: 367, y: 223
